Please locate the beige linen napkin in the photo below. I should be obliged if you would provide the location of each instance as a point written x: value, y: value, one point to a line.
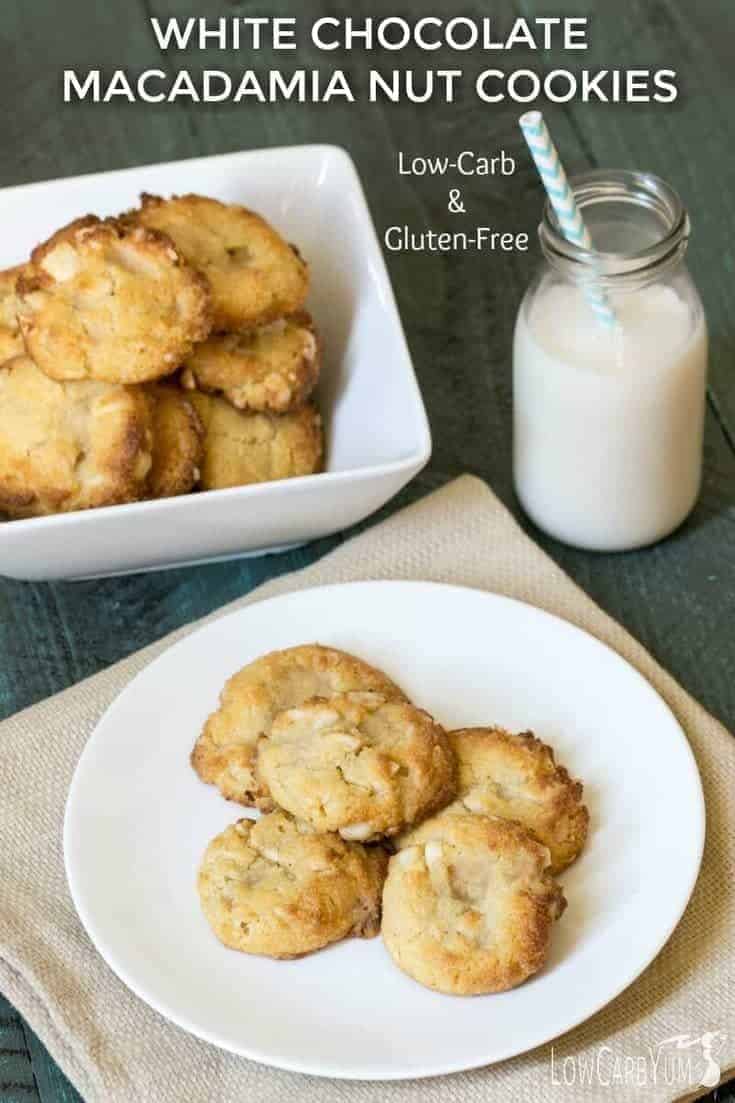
x: 117, y: 1050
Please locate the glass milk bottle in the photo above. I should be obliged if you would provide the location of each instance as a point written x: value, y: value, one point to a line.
x: 608, y: 423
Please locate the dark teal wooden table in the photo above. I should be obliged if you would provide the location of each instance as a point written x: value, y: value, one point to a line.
x: 677, y: 598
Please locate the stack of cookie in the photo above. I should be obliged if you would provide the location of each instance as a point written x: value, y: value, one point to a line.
x: 160, y: 352
x: 370, y: 805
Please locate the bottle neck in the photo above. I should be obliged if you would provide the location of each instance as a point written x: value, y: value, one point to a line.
x: 638, y: 224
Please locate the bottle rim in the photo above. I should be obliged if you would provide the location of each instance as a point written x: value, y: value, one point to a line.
x: 642, y: 191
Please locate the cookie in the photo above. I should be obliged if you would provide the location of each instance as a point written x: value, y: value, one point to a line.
x: 469, y: 904
x: 67, y: 446
x: 273, y: 369
x: 110, y: 302
x: 254, y: 275
x: 516, y: 777
x: 272, y: 887
x: 11, y: 339
x: 361, y: 764
x: 241, y: 448
x: 178, y: 443
x: 224, y: 754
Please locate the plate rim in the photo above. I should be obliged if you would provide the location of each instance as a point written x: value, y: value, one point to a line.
x: 438, y: 1067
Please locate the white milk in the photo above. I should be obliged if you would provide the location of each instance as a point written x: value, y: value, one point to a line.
x: 608, y: 428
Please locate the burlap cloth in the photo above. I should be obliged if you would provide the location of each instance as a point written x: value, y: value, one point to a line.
x: 115, y: 1049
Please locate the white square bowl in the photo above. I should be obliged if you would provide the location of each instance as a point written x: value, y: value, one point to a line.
x: 376, y: 425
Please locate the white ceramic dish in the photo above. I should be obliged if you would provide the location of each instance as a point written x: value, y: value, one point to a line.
x: 138, y: 821
x: 377, y: 431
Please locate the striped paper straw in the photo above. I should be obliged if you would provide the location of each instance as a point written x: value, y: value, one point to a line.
x: 565, y: 206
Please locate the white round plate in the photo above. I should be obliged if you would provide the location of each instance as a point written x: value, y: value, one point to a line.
x: 138, y: 821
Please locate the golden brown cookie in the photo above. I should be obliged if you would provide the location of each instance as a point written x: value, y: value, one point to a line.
x: 111, y: 302
x: 224, y: 754
x: 273, y: 369
x: 272, y: 887
x: 178, y: 443
x: 516, y: 777
x: 361, y: 764
x: 469, y: 903
x: 11, y: 339
x: 254, y: 275
x: 67, y: 446
x: 241, y: 448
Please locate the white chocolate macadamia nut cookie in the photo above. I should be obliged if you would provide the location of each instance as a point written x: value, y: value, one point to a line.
x: 358, y: 763
x: 270, y: 370
x: 469, y: 904
x: 178, y: 443
x: 517, y: 778
x: 106, y: 301
x: 243, y: 448
x: 255, y: 276
x: 69, y: 446
x: 273, y: 887
x: 224, y: 754
x: 11, y: 339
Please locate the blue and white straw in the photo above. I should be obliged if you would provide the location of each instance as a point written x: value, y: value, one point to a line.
x: 565, y: 206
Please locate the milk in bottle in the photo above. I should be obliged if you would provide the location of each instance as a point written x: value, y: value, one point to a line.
x: 608, y: 424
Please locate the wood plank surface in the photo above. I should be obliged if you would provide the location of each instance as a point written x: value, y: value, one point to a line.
x: 458, y: 309
x: 17, y: 1082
